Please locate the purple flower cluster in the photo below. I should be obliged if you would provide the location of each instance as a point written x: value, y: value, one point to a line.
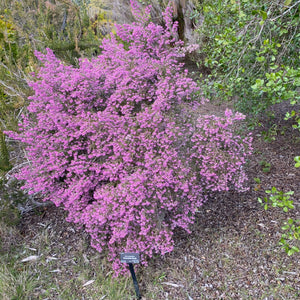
x: 118, y: 144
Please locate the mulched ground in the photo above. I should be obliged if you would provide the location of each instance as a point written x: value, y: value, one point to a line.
x: 233, y: 251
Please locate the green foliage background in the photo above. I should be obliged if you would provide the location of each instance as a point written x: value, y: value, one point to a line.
x: 251, y: 48
x: 29, y: 25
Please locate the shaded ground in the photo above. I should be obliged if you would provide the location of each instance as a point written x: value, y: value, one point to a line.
x: 232, y: 253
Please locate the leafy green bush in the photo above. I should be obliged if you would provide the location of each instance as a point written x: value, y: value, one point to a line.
x: 291, y: 227
x: 251, y: 49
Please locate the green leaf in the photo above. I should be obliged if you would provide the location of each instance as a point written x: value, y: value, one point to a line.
x: 257, y: 180
x: 297, y: 160
x: 259, y: 82
x: 274, y: 67
x: 290, y: 193
x: 260, y: 58
x: 287, y: 2
x: 282, y: 31
x: 263, y: 14
x: 285, y: 227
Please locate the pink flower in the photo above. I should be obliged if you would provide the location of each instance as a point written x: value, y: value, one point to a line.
x: 117, y: 143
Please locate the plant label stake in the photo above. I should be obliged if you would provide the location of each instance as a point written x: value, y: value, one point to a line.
x: 130, y: 259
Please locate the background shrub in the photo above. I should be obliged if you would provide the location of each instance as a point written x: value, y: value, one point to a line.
x: 251, y: 48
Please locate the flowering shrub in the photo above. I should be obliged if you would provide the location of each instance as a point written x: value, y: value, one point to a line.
x: 118, y: 143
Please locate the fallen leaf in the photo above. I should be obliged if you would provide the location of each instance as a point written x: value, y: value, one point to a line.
x: 88, y: 282
x: 49, y: 258
x: 55, y: 271
x: 172, y: 284
x: 30, y: 258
